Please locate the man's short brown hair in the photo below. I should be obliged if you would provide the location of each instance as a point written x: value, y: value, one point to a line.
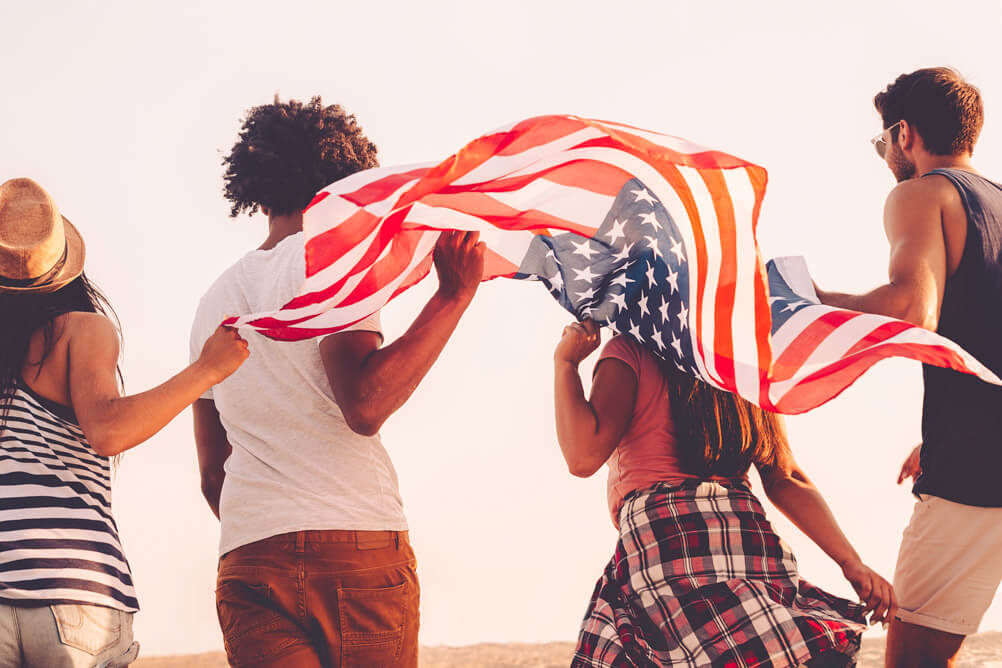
x: 943, y: 108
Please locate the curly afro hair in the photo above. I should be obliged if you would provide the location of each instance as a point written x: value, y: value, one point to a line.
x: 287, y: 151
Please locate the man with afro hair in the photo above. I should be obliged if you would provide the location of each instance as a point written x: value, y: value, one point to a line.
x: 315, y: 565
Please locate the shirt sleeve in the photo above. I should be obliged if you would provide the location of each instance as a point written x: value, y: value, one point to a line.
x: 622, y: 348
x: 370, y: 324
x: 197, y: 340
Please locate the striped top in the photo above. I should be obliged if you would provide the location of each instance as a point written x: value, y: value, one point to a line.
x: 58, y: 540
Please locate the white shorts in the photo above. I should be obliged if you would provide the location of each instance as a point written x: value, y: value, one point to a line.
x: 949, y: 565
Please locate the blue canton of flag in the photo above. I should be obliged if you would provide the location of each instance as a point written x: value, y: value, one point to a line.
x: 633, y: 275
x: 783, y: 301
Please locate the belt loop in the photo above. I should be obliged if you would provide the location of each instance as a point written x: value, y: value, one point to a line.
x: 300, y: 542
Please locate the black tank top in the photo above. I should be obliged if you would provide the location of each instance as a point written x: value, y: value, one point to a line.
x: 961, y: 415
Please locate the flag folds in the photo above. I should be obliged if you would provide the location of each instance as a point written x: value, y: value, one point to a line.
x: 646, y: 233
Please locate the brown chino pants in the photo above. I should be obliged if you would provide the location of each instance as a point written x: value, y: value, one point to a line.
x: 313, y: 599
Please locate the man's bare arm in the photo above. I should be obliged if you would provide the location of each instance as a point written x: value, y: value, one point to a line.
x: 370, y: 383
x: 213, y: 449
x: 918, y: 265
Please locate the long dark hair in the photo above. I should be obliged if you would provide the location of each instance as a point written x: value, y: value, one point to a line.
x: 720, y: 433
x: 24, y: 313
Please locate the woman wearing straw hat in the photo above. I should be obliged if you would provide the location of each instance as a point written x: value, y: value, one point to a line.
x: 66, y: 594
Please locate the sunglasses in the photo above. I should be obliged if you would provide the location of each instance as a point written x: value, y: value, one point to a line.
x: 880, y: 141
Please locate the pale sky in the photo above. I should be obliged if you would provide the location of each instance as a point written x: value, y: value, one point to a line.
x: 122, y: 111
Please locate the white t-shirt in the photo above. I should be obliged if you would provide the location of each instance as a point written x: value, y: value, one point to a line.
x: 295, y: 465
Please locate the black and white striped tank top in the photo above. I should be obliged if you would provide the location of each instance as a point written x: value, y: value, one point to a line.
x: 58, y: 540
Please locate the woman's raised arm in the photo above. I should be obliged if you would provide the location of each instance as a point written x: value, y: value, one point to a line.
x: 588, y: 430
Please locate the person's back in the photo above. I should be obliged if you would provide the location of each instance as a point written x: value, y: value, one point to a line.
x: 288, y: 449
x: 67, y: 598
x: 961, y: 415
x: 698, y: 577
x: 296, y: 464
x: 943, y: 225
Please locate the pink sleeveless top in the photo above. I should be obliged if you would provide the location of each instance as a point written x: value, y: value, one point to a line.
x: 648, y: 452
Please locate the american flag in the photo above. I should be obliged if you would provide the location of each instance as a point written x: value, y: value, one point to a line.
x: 646, y: 233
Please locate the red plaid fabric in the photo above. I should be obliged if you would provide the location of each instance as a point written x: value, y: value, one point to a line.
x: 699, y: 578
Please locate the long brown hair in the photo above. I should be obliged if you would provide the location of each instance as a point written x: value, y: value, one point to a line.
x: 720, y: 433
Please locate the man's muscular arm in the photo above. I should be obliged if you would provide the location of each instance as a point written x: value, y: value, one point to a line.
x: 918, y: 266
x: 370, y: 383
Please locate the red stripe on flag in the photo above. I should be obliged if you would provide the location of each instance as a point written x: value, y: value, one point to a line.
x: 789, y: 361
x: 706, y: 160
x: 377, y: 191
x: 592, y: 175
x: 723, y: 303
x: 538, y: 131
x: 329, y: 246
x: 678, y: 183
x: 415, y: 276
x: 878, y: 335
x: 836, y: 377
x: 387, y: 268
x: 384, y: 237
x: 497, y: 265
x: 497, y: 213
x: 319, y: 197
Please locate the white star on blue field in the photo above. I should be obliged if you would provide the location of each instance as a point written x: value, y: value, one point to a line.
x: 783, y: 301
x: 632, y: 275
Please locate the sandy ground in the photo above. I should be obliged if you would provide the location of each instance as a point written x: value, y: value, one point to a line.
x: 982, y: 651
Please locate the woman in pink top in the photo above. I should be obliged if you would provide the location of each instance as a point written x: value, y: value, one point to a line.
x: 699, y: 577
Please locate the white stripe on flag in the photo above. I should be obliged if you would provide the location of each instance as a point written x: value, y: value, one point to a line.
x: 500, y: 166
x: 346, y: 315
x: 708, y: 218
x: 574, y: 205
x: 511, y: 245
x: 743, y: 320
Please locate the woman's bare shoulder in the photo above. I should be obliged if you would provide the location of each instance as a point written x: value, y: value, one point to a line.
x: 95, y: 328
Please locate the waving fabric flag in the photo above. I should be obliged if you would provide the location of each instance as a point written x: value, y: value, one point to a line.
x: 646, y: 233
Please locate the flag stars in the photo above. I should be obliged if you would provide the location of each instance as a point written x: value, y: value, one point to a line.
x: 642, y: 303
x: 676, y: 248
x: 624, y: 254
x: 617, y: 230
x: 656, y: 337
x: 653, y: 243
x: 650, y: 274
x: 793, y: 306
x: 556, y: 281
x: 584, y: 275
x: 665, y: 307
x: 673, y: 280
x: 584, y: 248
x: 621, y: 279
x: 635, y: 331
x: 649, y: 219
x: 683, y: 318
x: 642, y: 195
x: 676, y: 344
x: 619, y: 299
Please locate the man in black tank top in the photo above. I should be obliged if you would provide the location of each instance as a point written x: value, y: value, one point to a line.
x: 944, y: 224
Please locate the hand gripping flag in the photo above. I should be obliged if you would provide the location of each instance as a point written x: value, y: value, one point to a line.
x: 646, y: 233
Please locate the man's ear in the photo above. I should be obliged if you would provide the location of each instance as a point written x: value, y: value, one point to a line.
x: 906, y: 136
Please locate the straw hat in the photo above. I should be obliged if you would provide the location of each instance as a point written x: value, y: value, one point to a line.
x: 40, y: 251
